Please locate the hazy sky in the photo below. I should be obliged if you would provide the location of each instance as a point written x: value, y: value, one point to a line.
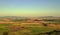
x: 29, y: 7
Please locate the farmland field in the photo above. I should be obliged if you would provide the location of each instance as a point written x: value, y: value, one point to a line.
x: 30, y: 27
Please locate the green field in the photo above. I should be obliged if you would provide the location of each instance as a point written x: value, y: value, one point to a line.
x: 24, y: 30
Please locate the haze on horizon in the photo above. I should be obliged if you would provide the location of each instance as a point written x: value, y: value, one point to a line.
x: 29, y: 7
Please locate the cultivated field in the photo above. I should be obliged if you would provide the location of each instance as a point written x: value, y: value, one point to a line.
x: 31, y: 26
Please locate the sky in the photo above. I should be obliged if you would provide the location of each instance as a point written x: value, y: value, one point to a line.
x: 29, y: 7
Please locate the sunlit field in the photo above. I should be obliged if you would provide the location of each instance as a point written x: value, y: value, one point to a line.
x: 25, y: 26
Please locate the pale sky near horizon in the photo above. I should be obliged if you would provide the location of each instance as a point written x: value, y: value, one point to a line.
x: 29, y: 7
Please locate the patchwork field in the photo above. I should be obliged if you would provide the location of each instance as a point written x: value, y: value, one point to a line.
x: 30, y: 27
